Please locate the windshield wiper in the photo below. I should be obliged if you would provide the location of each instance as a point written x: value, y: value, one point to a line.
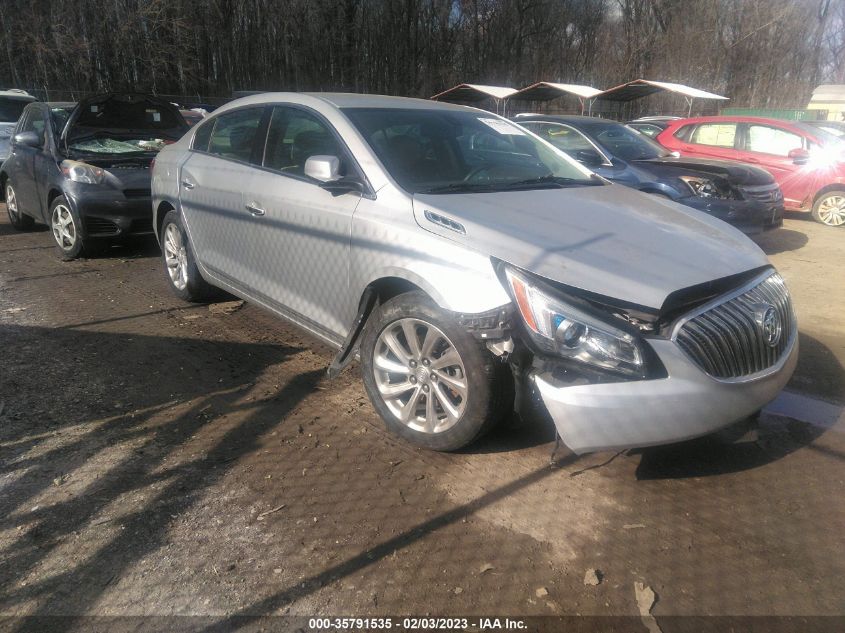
x: 460, y: 187
x: 553, y: 181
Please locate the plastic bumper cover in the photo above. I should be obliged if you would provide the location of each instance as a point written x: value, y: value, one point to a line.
x: 686, y: 404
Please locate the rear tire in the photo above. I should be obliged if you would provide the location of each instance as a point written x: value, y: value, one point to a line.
x: 180, y: 267
x: 829, y: 209
x: 17, y: 218
x: 442, y: 391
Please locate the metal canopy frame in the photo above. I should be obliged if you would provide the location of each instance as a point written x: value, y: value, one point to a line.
x: 640, y: 88
x: 547, y: 90
x: 472, y: 93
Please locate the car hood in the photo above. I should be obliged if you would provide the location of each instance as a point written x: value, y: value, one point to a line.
x: 124, y: 115
x: 738, y: 174
x: 607, y: 240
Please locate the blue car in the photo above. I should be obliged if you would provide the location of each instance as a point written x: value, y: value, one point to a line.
x: 745, y: 196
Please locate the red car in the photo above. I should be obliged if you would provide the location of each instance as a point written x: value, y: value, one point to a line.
x: 807, y: 162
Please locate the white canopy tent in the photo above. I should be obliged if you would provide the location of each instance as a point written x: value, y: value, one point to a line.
x: 640, y: 88
x: 472, y: 93
x: 547, y: 90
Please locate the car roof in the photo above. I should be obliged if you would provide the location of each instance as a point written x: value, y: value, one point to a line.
x: 17, y: 94
x: 346, y: 100
x: 735, y: 119
x: 574, y: 119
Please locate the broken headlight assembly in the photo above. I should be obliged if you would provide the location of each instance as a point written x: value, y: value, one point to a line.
x: 78, y: 171
x: 706, y: 188
x: 561, y: 329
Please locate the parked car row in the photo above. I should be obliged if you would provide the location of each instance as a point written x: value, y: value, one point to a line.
x: 807, y: 161
x: 745, y: 196
x: 475, y: 267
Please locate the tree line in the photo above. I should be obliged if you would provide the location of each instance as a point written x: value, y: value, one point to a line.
x: 761, y: 53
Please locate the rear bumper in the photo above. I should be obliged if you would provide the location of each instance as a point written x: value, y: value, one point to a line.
x: 686, y: 404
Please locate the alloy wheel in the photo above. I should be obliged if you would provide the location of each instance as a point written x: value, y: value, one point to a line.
x: 831, y: 210
x: 12, y: 204
x: 420, y: 375
x: 176, y: 256
x: 64, y: 228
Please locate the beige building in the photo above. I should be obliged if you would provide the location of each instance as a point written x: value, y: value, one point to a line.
x: 830, y: 97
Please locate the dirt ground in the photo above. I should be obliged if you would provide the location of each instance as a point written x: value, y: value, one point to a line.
x: 161, y: 459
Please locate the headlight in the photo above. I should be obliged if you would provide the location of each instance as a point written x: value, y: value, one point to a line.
x: 565, y: 330
x: 702, y: 187
x: 83, y: 172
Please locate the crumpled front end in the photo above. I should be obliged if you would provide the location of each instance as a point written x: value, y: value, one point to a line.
x: 723, y: 362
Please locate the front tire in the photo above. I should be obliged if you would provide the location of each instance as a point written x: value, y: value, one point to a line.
x: 64, y: 227
x: 180, y: 267
x: 829, y: 209
x: 18, y: 218
x: 430, y: 380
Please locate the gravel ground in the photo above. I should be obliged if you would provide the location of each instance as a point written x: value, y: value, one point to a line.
x: 161, y: 459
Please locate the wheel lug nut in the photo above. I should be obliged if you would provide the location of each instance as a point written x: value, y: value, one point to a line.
x: 413, y: 379
x: 425, y: 387
x: 426, y: 362
x: 413, y: 363
x: 433, y: 377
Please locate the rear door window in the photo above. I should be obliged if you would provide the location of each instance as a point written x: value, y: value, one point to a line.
x: 715, y: 134
x: 771, y: 140
x: 235, y: 133
x: 563, y: 137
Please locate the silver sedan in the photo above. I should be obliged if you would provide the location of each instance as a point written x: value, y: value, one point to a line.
x: 470, y: 266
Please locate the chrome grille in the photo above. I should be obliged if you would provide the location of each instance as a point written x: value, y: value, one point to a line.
x: 727, y: 339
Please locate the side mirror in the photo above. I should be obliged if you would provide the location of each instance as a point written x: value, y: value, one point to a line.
x: 323, y: 168
x: 799, y: 156
x: 28, y: 139
x: 589, y: 157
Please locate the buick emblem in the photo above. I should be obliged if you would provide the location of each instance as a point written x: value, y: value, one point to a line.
x: 769, y: 322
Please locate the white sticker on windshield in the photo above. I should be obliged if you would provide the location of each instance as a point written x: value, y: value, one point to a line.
x: 503, y: 127
x: 95, y: 108
x: 157, y: 117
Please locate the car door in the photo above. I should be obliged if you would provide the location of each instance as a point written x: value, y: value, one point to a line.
x: 299, y: 232
x: 769, y: 146
x: 711, y: 140
x: 22, y: 161
x: 212, y: 181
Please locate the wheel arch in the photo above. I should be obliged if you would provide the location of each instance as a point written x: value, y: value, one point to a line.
x: 836, y: 186
x: 164, y: 207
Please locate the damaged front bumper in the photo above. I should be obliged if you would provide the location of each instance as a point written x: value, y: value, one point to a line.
x: 686, y: 403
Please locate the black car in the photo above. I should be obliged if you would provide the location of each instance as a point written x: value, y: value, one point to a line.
x: 84, y: 170
x: 745, y: 196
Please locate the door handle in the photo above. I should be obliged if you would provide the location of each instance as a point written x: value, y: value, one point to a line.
x: 187, y: 184
x: 255, y: 210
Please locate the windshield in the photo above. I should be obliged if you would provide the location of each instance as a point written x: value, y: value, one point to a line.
x: 104, y: 144
x: 449, y: 151
x: 11, y: 109
x: 624, y: 142
x: 824, y: 135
